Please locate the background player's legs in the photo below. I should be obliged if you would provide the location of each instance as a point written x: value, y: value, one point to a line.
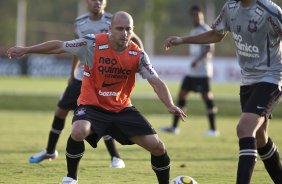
x: 212, y: 110
x: 117, y: 162
x: 159, y: 158
x: 269, y: 154
x: 58, y: 125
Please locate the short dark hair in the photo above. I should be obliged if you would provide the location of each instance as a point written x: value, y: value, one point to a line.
x: 195, y: 8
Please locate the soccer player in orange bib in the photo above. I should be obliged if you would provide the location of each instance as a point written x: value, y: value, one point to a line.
x: 110, y: 64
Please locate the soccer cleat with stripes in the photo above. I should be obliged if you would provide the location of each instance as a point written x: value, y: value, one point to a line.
x: 43, y: 155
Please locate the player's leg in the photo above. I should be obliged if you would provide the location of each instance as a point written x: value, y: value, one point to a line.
x: 159, y: 158
x: 131, y: 127
x: 208, y: 99
x: 57, y: 126
x: 75, y: 147
x: 67, y: 102
x: 269, y: 154
x: 116, y: 161
x: 257, y: 102
x: 246, y: 132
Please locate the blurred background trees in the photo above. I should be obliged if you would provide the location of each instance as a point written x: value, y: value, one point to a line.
x: 154, y: 21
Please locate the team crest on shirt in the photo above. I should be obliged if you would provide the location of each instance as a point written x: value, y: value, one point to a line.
x: 80, y: 112
x: 252, y: 27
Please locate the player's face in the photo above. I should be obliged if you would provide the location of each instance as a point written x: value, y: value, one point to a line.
x: 121, y: 31
x: 96, y: 6
x: 197, y: 17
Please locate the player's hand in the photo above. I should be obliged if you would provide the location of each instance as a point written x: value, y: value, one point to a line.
x: 173, y: 40
x: 177, y: 111
x: 16, y: 52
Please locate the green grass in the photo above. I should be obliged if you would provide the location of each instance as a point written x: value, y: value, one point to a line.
x: 208, y: 160
x: 26, y: 112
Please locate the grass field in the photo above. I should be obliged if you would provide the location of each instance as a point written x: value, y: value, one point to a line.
x: 26, y: 113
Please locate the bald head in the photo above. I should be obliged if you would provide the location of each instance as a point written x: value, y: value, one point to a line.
x: 121, y: 30
x: 122, y: 16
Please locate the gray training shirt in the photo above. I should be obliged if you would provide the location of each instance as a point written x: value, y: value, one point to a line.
x: 84, y: 25
x: 256, y: 31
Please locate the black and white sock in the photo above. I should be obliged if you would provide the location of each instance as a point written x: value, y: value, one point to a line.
x: 247, y: 160
x: 74, y: 153
x: 58, y: 125
x: 271, y: 159
x: 161, y: 166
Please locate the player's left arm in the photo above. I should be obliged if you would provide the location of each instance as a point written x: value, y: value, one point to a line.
x: 164, y: 95
x: 147, y: 71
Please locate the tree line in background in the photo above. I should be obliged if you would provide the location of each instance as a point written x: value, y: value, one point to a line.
x: 53, y: 19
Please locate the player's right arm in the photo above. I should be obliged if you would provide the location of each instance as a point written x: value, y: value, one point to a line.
x: 49, y: 47
x: 205, y: 38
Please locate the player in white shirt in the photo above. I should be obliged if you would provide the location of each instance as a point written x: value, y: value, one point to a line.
x: 198, y: 77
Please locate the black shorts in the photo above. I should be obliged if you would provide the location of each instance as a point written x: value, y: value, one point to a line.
x: 69, y: 98
x: 260, y: 98
x: 196, y: 84
x: 121, y: 125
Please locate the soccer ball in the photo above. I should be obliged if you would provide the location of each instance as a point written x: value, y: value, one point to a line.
x: 183, y: 180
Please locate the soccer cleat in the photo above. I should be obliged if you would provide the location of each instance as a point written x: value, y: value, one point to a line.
x: 68, y: 180
x: 211, y: 133
x: 117, y: 163
x: 42, y: 156
x: 172, y: 130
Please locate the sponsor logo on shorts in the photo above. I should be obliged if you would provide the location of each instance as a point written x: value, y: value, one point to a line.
x: 260, y: 107
x: 80, y: 112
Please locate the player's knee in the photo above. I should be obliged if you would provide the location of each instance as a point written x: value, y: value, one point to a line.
x: 240, y: 130
x: 243, y: 131
x: 159, y: 149
x: 80, y: 132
